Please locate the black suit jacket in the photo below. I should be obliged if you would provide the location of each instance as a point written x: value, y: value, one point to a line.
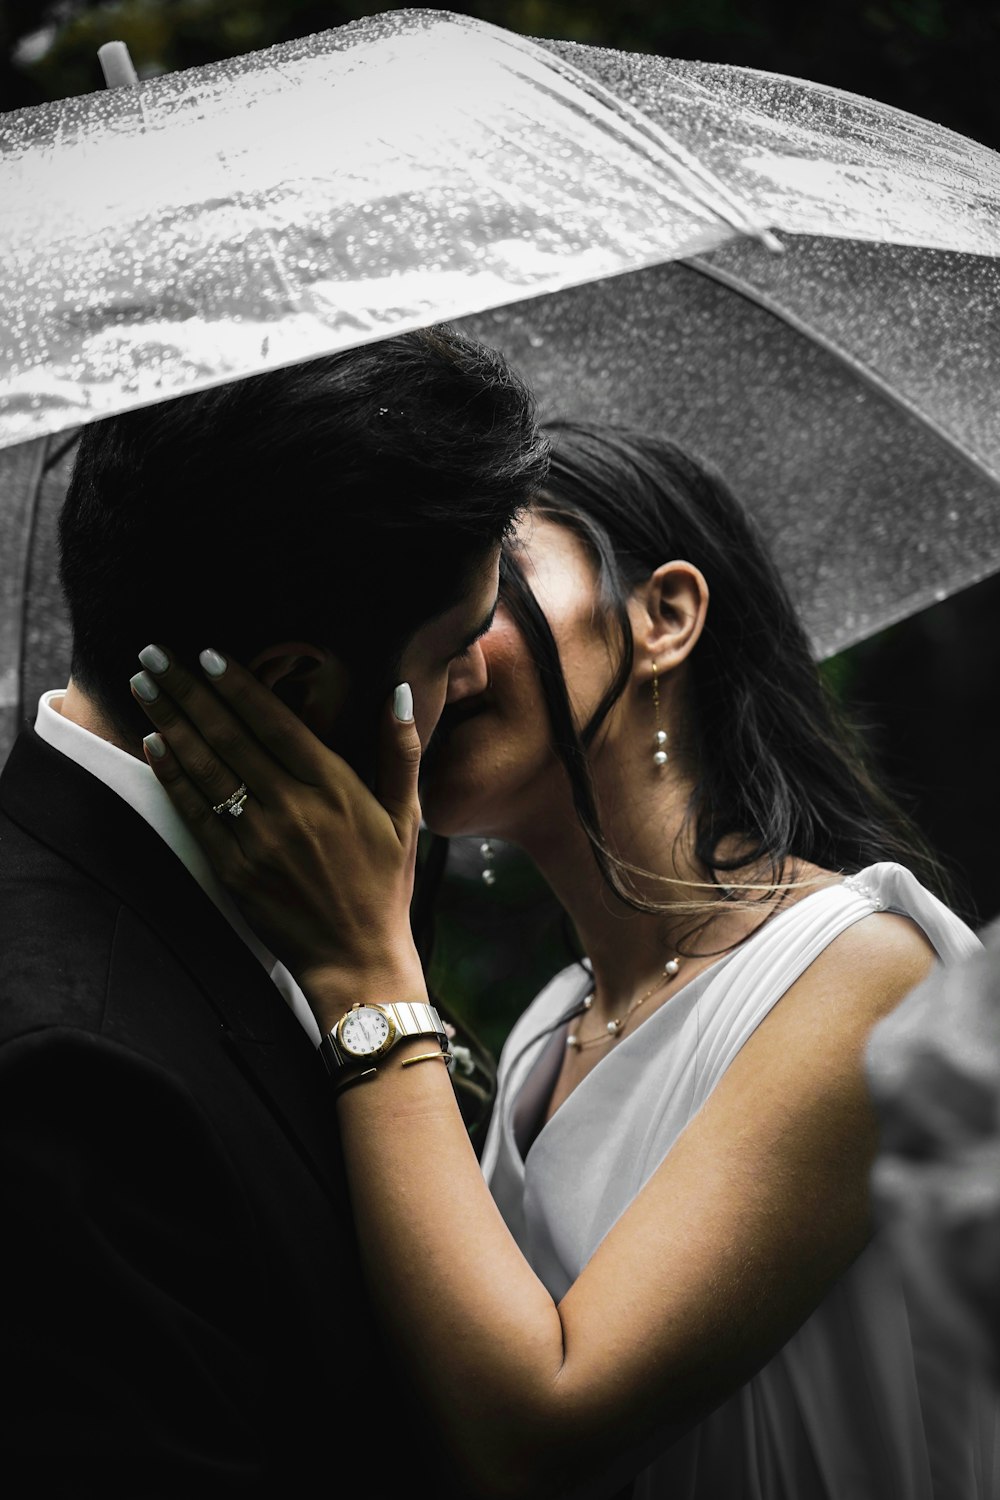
x: 183, y: 1306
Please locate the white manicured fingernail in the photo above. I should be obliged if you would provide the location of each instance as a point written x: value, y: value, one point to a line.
x: 156, y: 746
x: 402, y: 703
x: 213, y: 662
x: 154, y: 658
x: 144, y: 687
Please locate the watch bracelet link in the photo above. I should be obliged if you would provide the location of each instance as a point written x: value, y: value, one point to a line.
x: 410, y: 1019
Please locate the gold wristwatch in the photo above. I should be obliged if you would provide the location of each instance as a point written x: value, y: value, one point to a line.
x: 368, y: 1031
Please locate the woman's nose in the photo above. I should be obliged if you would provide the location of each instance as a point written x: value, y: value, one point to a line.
x: 468, y: 675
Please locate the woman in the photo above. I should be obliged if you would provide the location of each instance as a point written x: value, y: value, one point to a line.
x: 674, y: 1275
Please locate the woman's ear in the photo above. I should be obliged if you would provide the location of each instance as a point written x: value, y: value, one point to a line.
x: 673, y: 605
x: 309, y: 679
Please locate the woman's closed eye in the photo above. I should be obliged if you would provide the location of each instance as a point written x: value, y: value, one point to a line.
x: 464, y: 651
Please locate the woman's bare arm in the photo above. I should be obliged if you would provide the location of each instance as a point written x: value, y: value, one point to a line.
x: 758, y: 1208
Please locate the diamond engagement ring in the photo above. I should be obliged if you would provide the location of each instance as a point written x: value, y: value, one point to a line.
x: 233, y: 804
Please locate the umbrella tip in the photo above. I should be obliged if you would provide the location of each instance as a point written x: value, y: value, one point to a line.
x: 116, y: 65
x: 771, y: 242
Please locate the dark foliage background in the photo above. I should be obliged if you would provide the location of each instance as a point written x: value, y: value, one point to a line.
x: 926, y: 688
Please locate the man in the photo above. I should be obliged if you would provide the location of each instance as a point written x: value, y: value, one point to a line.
x: 175, y: 1213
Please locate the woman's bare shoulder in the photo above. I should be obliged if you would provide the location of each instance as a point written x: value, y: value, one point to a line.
x: 871, y: 964
x: 865, y: 971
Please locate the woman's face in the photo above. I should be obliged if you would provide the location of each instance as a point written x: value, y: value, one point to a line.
x: 490, y: 768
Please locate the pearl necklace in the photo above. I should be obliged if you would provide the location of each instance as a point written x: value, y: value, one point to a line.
x: 616, y: 1026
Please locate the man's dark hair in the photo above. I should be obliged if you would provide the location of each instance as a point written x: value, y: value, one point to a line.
x: 343, y: 502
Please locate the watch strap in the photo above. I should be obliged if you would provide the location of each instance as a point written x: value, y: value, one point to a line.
x: 417, y: 1018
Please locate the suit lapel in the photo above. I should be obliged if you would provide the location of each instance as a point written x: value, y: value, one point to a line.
x: 82, y: 820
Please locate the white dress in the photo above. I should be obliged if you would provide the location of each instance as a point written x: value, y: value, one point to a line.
x: 863, y: 1402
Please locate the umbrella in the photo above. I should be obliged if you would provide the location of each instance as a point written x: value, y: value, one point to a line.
x: 798, y: 282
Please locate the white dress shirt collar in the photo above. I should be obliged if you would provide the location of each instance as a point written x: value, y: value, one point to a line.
x: 135, y: 783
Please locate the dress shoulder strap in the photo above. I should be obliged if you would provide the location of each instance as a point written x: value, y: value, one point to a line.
x: 759, y: 973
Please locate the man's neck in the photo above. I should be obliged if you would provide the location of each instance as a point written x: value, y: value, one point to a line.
x: 77, y: 706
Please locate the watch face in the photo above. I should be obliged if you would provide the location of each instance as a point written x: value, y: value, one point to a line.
x: 364, y: 1031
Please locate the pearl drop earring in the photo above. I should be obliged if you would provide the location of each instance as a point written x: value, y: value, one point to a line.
x: 486, y: 851
x: 660, y: 756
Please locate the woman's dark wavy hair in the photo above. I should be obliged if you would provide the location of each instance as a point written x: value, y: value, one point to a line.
x: 781, y: 770
x: 782, y: 774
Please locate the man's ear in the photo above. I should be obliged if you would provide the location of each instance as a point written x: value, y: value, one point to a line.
x: 309, y: 679
x: 673, y: 605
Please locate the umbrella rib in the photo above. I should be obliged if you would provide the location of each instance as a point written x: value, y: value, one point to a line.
x: 60, y: 452
x: 38, y: 470
x: 714, y: 194
x: 854, y: 364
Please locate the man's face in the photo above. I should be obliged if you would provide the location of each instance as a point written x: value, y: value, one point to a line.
x: 443, y: 661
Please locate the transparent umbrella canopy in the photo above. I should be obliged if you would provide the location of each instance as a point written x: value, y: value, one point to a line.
x: 799, y: 283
